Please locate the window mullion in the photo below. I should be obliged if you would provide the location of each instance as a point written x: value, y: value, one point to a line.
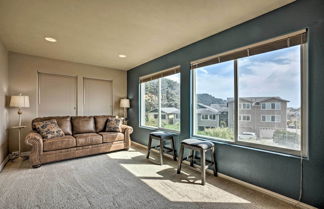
x: 236, y: 103
x: 159, y: 98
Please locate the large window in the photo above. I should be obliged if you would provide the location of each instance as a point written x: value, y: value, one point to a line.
x: 213, y: 86
x: 160, y: 102
x: 258, y: 99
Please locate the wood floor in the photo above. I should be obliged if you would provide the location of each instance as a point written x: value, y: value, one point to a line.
x: 124, y: 179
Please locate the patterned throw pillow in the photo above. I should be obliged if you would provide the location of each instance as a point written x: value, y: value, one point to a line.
x: 114, y: 125
x: 48, y: 129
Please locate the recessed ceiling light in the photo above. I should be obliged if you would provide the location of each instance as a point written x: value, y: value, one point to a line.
x: 122, y: 56
x: 50, y: 39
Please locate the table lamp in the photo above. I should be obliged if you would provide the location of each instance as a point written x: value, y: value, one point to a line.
x: 124, y: 103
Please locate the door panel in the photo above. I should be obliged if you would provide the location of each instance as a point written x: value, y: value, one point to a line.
x: 57, y: 95
x: 98, y: 97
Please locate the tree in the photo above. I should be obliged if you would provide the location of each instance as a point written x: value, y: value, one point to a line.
x: 170, y: 94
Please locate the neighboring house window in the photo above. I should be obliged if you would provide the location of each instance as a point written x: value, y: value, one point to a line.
x: 204, y: 117
x: 160, y: 94
x: 212, y: 117
x: 245, y: 106
x: 270, y: 80
x: 271, y: 118
x: 245, y: 117
x: 271, y: 106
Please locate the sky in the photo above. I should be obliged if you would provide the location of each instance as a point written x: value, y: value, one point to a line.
x: 270, y: 74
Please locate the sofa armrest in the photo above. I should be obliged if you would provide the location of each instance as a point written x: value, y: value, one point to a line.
x: 35, y: 140
x: 127, y: 130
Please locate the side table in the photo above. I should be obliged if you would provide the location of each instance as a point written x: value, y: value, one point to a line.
x: 19, y: 128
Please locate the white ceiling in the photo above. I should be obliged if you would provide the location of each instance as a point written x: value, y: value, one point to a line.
x: 97, y: 31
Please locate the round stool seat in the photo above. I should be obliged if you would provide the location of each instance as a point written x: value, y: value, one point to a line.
x: 198, y: 143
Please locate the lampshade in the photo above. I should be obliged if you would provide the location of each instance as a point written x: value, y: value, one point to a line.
x: 124, y: 103
x: 19, y: 101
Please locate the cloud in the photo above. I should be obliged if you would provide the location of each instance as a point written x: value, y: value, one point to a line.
x: 275, y: 73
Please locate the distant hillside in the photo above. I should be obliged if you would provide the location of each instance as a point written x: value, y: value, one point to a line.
x: 208, y: 99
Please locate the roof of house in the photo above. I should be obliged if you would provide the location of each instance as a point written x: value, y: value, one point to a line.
x: 168, y: 110
x: 220, y: 107
x: 204, y: 109
x: 257, y: 99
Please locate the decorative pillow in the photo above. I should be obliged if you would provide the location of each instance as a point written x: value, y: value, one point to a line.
x: 49, y: 129
x: 114, y: 125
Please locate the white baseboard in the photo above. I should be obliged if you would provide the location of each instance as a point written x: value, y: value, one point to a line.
x: 243, y: 183
x: 4, y: 162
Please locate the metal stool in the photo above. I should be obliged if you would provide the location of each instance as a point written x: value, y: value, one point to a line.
x: 202, y: 147
x: 162, y: 136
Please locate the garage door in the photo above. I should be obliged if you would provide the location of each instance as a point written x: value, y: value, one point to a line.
x: 266, y: 133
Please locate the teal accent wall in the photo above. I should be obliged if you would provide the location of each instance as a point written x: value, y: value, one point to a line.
x: 278, y: 173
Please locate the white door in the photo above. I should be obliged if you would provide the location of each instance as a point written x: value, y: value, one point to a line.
x: 98, y: 97
x: 56, y: 95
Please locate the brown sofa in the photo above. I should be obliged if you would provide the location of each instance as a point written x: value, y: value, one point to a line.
x: 84, y: 135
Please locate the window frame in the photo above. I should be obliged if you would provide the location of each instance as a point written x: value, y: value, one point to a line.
x: 269, y: 104
x: 245, y: 103
x: 142, y: 112
x: 270, y: 116
x: 304, y: 150
x: 241, y: 117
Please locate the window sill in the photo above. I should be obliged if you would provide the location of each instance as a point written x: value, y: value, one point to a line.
x: 161, y: 129
x: 245, y: 146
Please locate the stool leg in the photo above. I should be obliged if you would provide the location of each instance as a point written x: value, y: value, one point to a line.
x: 214, y: 160
x: 203, y: 167
x: 161, y: 151
x: 180, y: 158
x: 192, y: 158
x: 174, y: 150
x: 149, y: 147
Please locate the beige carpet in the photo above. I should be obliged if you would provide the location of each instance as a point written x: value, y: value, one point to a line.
x: 121, y: 180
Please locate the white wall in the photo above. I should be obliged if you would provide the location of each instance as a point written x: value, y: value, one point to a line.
x: 23, y: 79
x: 3, y: 96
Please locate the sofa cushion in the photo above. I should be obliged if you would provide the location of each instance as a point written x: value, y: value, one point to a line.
x: 114, y: 125
x: 112, y: 136
x: 64, y: 122
x: 49, y: 129
x: 83, y: 124
x: 101, y: 122
x: 64, y: 142
x: 87, y: 139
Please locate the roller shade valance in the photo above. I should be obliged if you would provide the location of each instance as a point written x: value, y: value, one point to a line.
x: 161, y: 74
x: 292, y: 39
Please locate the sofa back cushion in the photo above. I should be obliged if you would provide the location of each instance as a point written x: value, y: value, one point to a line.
x: 101, y: 122
x: 64, y: 122
x: 83, y: 124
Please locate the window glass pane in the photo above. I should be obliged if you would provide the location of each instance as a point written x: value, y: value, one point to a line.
x: 214, y: 93
x: 150, y: 104
x: 170, y: 102
x: 272, y: 79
